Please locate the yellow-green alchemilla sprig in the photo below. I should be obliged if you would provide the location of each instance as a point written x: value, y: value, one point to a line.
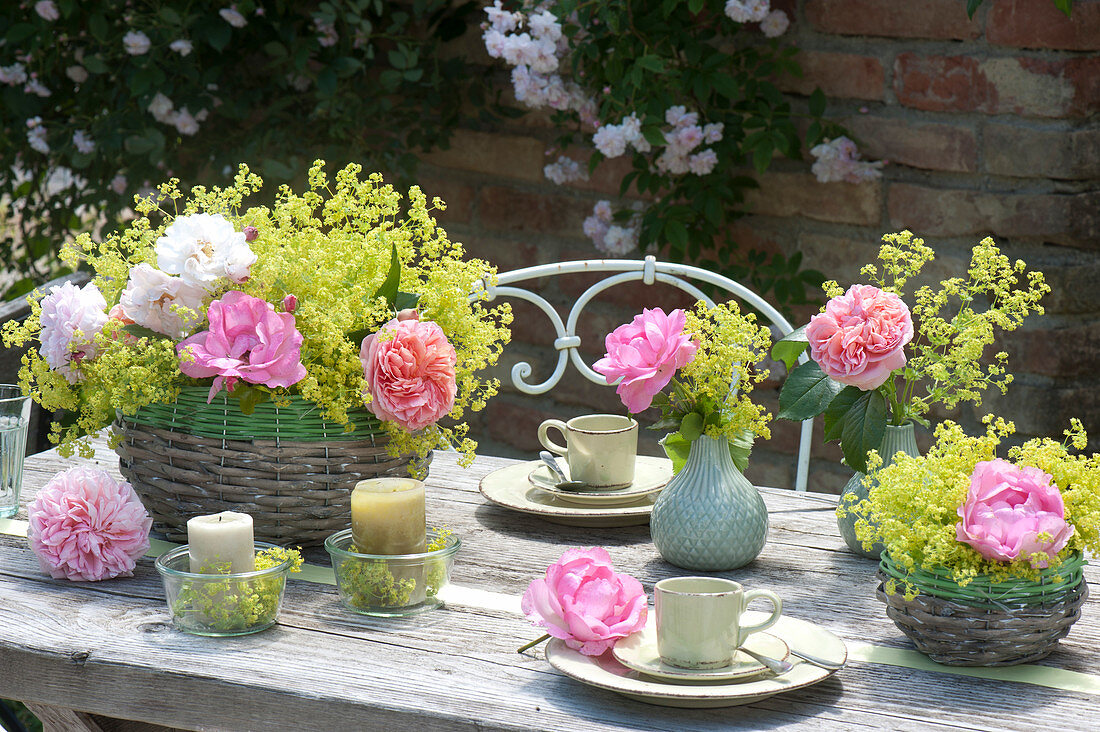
x: 873, y: 362
x: 913, y: 505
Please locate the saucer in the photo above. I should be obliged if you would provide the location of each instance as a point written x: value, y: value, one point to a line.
x: 605, y: 672
x: 509, y: 487
x: 648, y: 478
x: 639, y: 652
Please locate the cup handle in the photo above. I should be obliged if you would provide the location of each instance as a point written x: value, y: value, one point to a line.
x: 545, y: 439
x: 777, y: 610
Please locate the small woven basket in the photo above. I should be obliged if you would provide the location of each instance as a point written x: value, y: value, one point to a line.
x: 285, y: 466
x: 986, y: 623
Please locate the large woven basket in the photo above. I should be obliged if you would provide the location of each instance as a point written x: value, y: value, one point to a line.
x: 986, y: 623
x: 286, y: 466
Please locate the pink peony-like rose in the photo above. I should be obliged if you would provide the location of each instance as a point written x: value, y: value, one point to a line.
x: 247, y: 340
x: 646, y: 353
x: 1007, y: 508
x: 585, y: 602
x: 859, y: 339
x: 410, y: 371
x: 85, y: 525
x: 71, y: 318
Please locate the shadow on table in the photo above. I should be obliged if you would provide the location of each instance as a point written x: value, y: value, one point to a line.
x: 518, y: 525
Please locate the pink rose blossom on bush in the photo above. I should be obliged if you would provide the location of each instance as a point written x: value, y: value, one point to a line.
x: 1007, y: 509
x: 859, y: 339
x: 85, y: 525
x: 247, y: 340
x: 645, y: 353
x: 409, y: 366
x: 71, y: 318
x: 584, y: 602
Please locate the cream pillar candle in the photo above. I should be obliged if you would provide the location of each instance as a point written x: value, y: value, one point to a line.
x: 219, y: 539
x: 387, y: 516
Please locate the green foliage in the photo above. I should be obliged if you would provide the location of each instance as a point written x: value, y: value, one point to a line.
x: 646, y: 56
x: 1066, y: 6
x: 348, y: 80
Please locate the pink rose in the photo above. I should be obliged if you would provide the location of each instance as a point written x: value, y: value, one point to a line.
x: 247, y: 340
x: 410, y: 372
x: 1006, y: 510
x: 71, y: 318
x: 646, y: 353
x: 859, y: 338
x: 85, y: 525
x: 583, y: 601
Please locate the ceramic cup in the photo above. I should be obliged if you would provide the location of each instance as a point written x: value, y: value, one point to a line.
x: 699, y: 620
x: 600, y: 448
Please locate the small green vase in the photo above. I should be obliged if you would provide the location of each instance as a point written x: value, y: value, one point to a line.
x: 709, y: 517
x: 896, y: 439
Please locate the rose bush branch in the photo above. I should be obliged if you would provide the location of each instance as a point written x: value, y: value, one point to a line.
x: 857, y: 344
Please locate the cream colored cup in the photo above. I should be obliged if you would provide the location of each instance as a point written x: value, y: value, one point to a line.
x: 600, y: 448
x: 699, y: 620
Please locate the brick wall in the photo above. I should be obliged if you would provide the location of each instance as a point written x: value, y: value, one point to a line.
x: 991, y: 127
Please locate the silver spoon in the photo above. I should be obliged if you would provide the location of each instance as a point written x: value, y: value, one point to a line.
x: 774, y: 664
x: 563, y: 482
x: 830, y: 665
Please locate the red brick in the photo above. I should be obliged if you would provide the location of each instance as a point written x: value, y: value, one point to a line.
x: 839, y: 75
x: 1074, y: 282
x: 927, y: 146
x: 799, y: 194
x: 1030, y: 24
x: 1065, y: 219
x: 1072, y: 350
x: 509, y: 156
x: 925, y: 19
x: 517, y: 423
x: 1021, y: 86
x: 1045, y: 410
x: 459, y: 197
x: 1030, y: 152
x: 508, y: 209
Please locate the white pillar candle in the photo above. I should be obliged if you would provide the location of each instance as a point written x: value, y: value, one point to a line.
x: 221, y: 539
x: 387, y: 516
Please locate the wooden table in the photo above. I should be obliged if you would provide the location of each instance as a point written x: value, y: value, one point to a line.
x: 109, y: 648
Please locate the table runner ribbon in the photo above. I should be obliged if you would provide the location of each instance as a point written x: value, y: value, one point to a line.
x: 1048, y: 676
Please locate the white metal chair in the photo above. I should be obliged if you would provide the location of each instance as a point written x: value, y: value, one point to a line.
x: 649, y: 271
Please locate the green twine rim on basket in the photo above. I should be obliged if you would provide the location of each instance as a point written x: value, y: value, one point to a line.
x: 297, y: 420
x: 982, y: 592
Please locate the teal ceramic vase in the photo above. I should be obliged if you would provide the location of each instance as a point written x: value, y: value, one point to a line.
x: 896, y: 439
x: 709, y: 517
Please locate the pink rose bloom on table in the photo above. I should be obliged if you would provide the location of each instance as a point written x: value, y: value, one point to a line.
x: 85, y: 525
x: 1012, y: 513
x: 646, y: 354
x: 409, y: 366
x: 247, y: 340
x: 859, y: 339
x: 583, y: 601
x: 71, y: 318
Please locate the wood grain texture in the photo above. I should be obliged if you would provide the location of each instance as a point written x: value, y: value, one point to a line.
x: 109, y: 648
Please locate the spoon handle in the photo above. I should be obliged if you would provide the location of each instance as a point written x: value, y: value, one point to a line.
x: 774, y: 664
x: 832, y: 666
x: 552, y: 463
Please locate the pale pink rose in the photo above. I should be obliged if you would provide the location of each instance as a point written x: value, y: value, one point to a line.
x: 247, y: 340
x: 85, y: 525
x: 71, y: 318
x: 859, y: 339
x: 409, y: 366
x: 1006, y: 510
x: 645, y: 354
x: 585, y: 602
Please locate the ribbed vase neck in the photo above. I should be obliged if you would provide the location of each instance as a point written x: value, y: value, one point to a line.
x: 709, y: 451
x: 898, y: 438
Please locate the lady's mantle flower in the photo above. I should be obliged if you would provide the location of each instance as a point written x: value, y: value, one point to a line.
x: 203, y: 248
x: 71, y: 318
x: 136, y: 43
x: 157, y: 301
x: 247, y: 340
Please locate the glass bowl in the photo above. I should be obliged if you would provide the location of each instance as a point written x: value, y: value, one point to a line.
x: 222, y: 604
x: 392, y: 585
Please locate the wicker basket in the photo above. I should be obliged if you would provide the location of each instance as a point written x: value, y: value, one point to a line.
x: 286, y: 466
x: 986, y: 623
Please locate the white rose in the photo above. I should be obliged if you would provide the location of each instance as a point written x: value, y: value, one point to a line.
x: 47, y: 10
x: 231, y: 16
x: 77, y: 73
x: 162, y: 303
x: 182, y: 46
x: 136, y: 43
x: 161, y: 108
x: 203, y: 248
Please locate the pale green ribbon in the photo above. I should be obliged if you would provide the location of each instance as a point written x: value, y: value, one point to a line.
x: 1054, y: 678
